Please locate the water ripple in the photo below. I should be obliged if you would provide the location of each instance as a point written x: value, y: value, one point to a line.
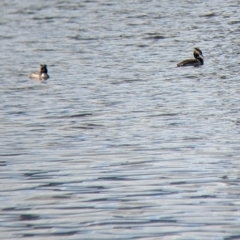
x: 119, y: 143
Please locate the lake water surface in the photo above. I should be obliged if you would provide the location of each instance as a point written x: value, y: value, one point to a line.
x: 119, y: 143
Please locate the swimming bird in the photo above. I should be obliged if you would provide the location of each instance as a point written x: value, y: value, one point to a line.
x: 42, y: 74
x: 198, y: 61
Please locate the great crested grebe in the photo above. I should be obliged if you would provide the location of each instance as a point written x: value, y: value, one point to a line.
x: 42, y: 74
x: 198, y: 61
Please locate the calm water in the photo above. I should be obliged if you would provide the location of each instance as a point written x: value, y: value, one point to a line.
x: 119, y: 143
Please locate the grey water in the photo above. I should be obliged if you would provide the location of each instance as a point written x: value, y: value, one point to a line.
x: 119, y: 143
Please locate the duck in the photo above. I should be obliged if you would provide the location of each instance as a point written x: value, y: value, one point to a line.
x: 198, y: 61
x: 42, y: 74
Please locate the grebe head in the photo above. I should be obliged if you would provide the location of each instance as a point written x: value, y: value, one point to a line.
x: 43, y: 68
x: 197, y: 53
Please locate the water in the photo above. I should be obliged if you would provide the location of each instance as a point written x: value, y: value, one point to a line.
x: 119, y: 143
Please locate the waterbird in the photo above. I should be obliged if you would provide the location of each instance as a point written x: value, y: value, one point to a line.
x: 42, y: 74
x: 198, y: 61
